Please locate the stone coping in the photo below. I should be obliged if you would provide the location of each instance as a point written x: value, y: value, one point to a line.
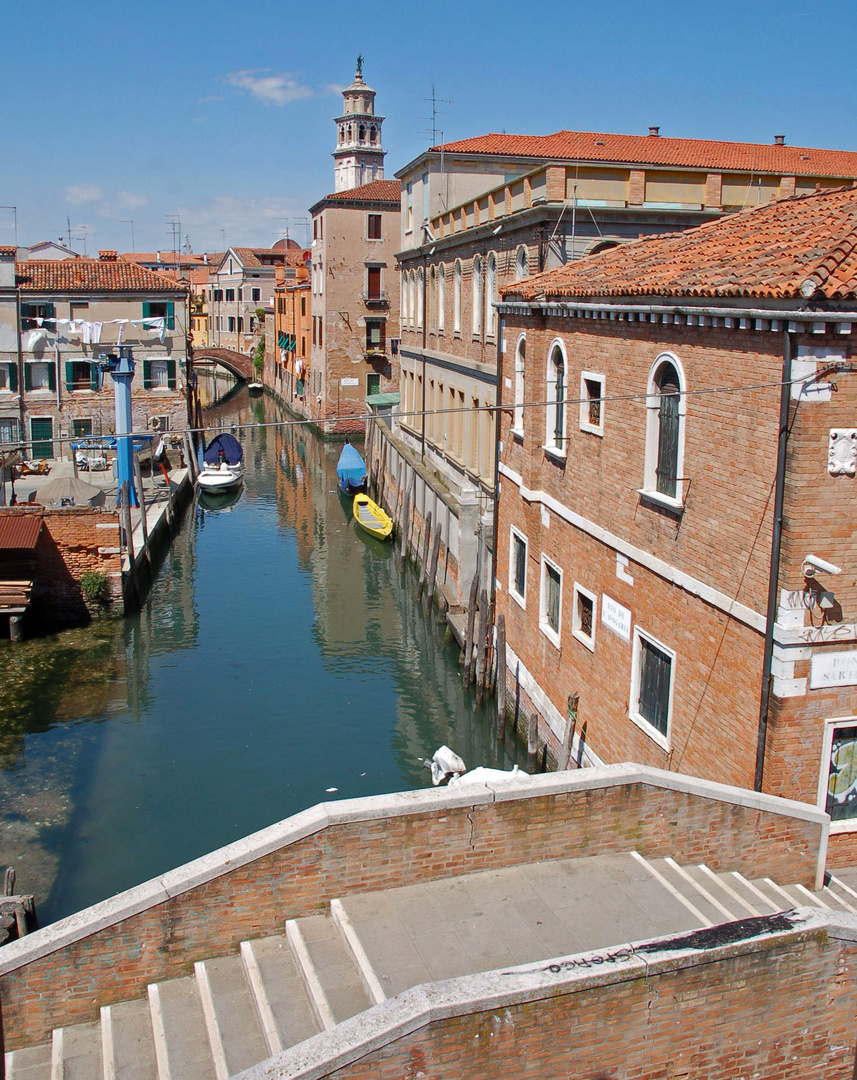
x: 290, y: 830
x: 487, y: 992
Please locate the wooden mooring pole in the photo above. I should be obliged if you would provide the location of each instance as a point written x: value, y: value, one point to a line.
x: 426, y: 538
x: 570, y: 725
x: 406, y: 509
x: 432, y: 575
x: 480, y: 646
x: 532, y: 742
x: 501, y: 678
x: 468, y: 633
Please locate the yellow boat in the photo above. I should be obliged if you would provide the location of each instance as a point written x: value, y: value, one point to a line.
x: 371, y: 517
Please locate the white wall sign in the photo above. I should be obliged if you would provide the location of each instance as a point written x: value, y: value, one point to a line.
x: 349, y: 382
x: 833, y: 669
x: 615, y: 617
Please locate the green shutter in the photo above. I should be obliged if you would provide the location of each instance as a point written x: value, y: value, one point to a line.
x: 52, y: 377
x: 69, y: 375
x: 171, y: 374
x: 50, y: 311
x: 147, y: 374
x: 146, y: 309
x: 93, y: 376
x: 28, y: 378
x: 171, y: 315
x: 13, y: 377
x: 25, y: 315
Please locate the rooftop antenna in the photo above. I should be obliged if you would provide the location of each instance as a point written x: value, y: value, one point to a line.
x: 434, y: 101
x: 14, y: 210
x: 223, y: 238
x: 129, y: 221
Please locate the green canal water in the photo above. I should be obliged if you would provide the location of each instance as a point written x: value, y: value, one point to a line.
x: 280, y: 660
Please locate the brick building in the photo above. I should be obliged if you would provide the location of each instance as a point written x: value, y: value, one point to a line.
x: 677, y: 461
x: 287, y: 357
x: 58, y: 319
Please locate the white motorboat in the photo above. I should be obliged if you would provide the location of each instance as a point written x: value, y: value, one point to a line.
x: 222, y: 464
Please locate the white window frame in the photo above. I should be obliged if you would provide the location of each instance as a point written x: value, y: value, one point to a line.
x: 520, y: 385
x: 441, y: 298
x: 7, y: 366
x: 456, y: 298
x: 636, y: 669
x: 653, y: 433
x: 585, y: 425
x: 830, y: 726
x: 588, y: 640
x: 550, y: 446
x: 519, y: 598
x: 409, y: 207
x: 40, y: 364
x: 478, y: 282
x: 553, y: 636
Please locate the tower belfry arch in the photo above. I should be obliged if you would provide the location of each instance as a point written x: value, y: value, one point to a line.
x: 359, y: 154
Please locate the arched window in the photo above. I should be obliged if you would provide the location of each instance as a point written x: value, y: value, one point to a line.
x: 420, y: 297
x: 490, y: 310
x: 431, y: 300
x: 373, y: 135
x: 520, y: 363
x: 666, y: 406
x: 456, y: 298
x: 412, y: 299
x: 477, y: 296
x: 521, y: 263
x: 362, y: 133
x: 556, y: 393
x: 441, y: 298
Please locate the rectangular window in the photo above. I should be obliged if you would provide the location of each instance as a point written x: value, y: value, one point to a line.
x: 81, y: 375
x: 256, y: 295
x: 591, y: 402
x: 373, y: 383
x: 33, y: 315
x: 9, y: 377
x: 838, y: 787
x: 315, y: 228
x: 160, y: 378
x: 8, y: 429
x: 373, y: 227
x: 39, y: 376
x: 651, y: 687
x: 583, y: 617
x: 218, y: 295
x: 375, y: 335
x: 518, y: 568
x: 409, y: 207
x: 240, y: 294
x: 373, y: 283
x: 320, y: 330
x: 230, y: 324
x: 425, y: 196
x: 550, y: 611
x: 303, y: 305
x: 81, y: 428
x: 230, y: 294
x: 79, y: 309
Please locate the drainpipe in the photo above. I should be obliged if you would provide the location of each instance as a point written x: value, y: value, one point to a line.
x: 425, y: 342
x: 18, y: 333
x: 501, y: 334
x: 774, y: 580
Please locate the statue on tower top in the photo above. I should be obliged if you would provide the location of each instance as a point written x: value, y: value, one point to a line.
x: 360, y: 64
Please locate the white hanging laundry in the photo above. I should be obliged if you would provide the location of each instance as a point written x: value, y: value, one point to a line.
x: 40, y: 322
x: 35, y: 337
x: 122, y: 325
x: 87, y: 332
x: 95, y: 332
x: 157, y: 326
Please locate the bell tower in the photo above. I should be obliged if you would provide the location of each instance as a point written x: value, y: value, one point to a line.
x: 359, y: 156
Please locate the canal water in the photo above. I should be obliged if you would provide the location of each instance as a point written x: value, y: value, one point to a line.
x: 280, y: 660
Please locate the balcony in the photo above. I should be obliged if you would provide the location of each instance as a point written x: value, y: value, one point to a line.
x: 375, y: 299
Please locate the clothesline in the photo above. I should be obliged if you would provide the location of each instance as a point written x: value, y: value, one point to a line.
x: 90, y: 332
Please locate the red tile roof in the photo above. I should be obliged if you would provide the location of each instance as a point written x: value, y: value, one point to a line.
x: 770, y: 251
x: 375, y: 191
x: 19, y: 532
x: 91, y: 275
x: 167, y: 258
x: 251, y: 256
x: 7, y: 249
x: 658, y: 150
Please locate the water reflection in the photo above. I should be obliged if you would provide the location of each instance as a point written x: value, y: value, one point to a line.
x: 281, y: 659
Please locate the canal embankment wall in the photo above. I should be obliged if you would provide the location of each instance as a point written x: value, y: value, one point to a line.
x: 110, y: 952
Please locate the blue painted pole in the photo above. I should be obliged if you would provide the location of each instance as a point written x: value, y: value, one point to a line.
x: 123, y: 376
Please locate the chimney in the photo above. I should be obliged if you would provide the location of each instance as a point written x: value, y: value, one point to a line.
x: 654, y: 131
x: 779, y: 140
x: 159, y: 256
x: 107, y: 256
x: 205, y: 258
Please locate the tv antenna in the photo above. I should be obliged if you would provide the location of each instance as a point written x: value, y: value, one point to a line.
x: 434, y: 101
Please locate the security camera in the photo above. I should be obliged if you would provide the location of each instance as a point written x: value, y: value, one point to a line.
x: 813, y: 565
x: 495, y: 231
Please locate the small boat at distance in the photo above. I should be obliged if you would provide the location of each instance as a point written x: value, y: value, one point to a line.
x: 222, y: 467
x: 255, y: 388
x: 371, y: 517
x: 351, y: 470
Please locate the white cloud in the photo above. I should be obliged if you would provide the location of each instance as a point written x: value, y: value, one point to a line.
x: 83, y: 193
x: 129, y: 201
x: 245, y: 222
x: 335, y: 88
x: 272, y: 88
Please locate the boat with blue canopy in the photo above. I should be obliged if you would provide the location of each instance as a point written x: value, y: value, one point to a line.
x: 222, y: 464
x: 351, y: 470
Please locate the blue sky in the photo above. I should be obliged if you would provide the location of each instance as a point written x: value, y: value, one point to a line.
x: 221, y: 114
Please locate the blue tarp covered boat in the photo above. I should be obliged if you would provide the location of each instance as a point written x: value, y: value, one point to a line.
x: 221, y: 464
x: 224, y: 444
x: 351, y: 471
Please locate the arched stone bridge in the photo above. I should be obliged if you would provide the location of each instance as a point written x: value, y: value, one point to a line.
x: 240, y: 365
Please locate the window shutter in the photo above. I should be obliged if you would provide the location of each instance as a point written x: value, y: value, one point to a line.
x: 28, y: 377
x: 147, y: 307
x: 13, y: 377
x: 147, y: 374
x: 52, y: 377
x: 171, y: 374
x: 93, y: 377
x: 25, y: 317
x: 69, y: 375
x: 50, y: 311
x: 171, y: 315
x: 668, y: 445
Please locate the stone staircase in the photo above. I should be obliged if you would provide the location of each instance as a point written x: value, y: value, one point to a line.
x: 238, y: 1010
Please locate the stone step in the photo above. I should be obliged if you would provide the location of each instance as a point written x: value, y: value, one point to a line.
x: 331, y: 978
x: 235, y: 1033
x: 182, y: 1049
x: 128, y: 1041
x: 76, y: 1053
x: 285, y: 1011
x: 29, y: 1063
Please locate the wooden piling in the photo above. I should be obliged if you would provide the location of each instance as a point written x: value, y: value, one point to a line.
x: 570, y: 725
x: 501, y: 678
x: 532, y: 742
x: 190, y: 456
x: 141, y: 495
x: 468, y: 634
x: 432, y: 575
x: 480, y: 646
x: 426, y: 538
x: 406, y: 509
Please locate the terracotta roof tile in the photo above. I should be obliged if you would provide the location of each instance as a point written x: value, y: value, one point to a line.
x: 251, y: 256
x: 7, y: 249
x: 769, y: 252
x: 91, y: 275
x: 167, y: 258
x: 658, y: 150
x: 375, y: 191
